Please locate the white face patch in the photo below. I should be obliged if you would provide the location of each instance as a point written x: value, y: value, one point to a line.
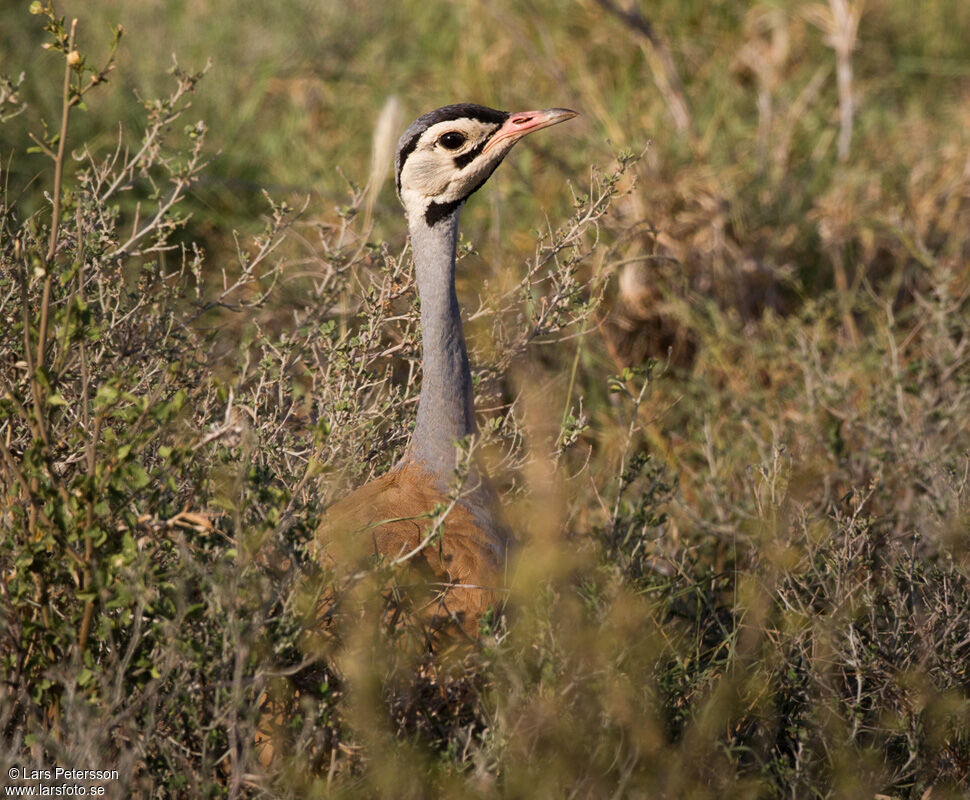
x: 447, y: 163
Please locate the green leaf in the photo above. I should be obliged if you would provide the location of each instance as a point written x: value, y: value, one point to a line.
x: 106, y: 395
x: 56, y: 400
x: 140, y: 478
x: 43, y: 378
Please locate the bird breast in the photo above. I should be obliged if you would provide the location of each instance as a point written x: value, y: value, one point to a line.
x: 395, y: 516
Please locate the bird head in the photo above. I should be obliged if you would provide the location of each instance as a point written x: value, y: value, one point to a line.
x: 448, y: 153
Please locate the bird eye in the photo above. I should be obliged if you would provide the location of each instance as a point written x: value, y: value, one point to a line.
x: 451, y: 140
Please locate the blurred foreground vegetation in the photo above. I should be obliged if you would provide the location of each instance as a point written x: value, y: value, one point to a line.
x: 723, y: 381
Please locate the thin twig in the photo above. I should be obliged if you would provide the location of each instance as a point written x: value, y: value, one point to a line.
x: 56, y: 212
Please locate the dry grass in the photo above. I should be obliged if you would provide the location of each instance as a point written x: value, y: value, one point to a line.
x: 723, y: 390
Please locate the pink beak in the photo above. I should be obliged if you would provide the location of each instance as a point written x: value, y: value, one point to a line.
x: 518, y: 125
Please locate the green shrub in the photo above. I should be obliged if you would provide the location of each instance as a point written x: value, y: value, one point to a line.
x: 742, y: 566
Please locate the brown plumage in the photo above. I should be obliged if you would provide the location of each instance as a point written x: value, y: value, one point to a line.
x: 446, y: 542
x: 453, y: 570
x: 452, y: 561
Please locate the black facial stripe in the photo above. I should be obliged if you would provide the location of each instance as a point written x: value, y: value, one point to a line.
x: 405, y: 152
x: 465, y: 159
x: 489, y: 116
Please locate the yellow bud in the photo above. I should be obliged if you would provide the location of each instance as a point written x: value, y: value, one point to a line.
x: 36, y: 7
x: 74, y: 58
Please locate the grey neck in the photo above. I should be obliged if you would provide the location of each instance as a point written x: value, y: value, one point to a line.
x: 446, y: 405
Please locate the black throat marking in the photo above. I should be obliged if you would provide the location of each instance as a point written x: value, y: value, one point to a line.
x: 438, y: 211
